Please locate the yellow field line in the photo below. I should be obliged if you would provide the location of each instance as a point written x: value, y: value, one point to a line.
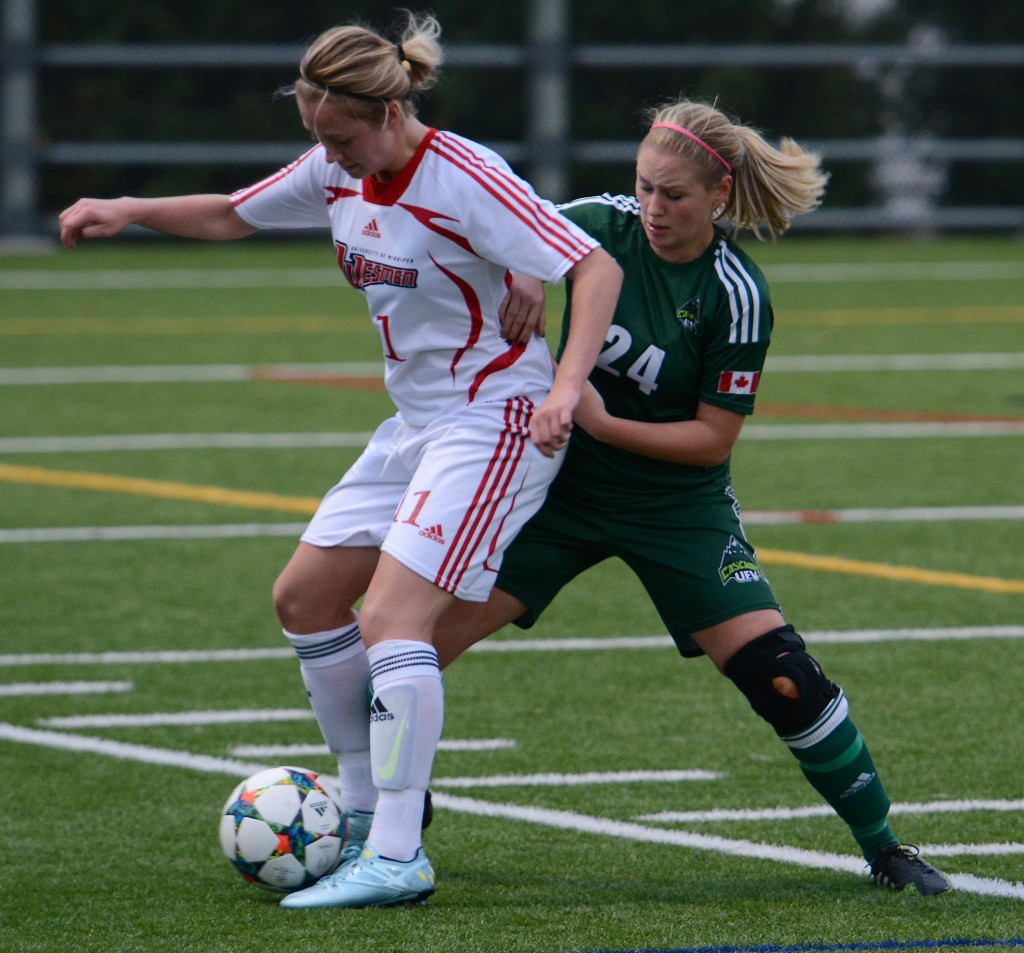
x: 163, y: 489
x: 857, y: 567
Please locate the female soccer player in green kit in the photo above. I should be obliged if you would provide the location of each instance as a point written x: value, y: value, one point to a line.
x: 646, y: 475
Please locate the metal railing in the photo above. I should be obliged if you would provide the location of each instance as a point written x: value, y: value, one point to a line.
x: 546, y: 150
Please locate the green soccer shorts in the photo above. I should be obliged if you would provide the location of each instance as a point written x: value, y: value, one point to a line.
x: 694, y: 563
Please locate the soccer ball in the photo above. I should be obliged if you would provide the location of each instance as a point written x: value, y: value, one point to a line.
x: 281, y: 830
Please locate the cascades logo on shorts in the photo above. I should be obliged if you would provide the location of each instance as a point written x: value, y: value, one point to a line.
x: 738, y: 564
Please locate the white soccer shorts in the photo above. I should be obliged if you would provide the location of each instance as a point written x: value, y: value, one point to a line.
x: 444, y: 499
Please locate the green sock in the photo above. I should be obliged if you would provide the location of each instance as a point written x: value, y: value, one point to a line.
x: 836, y: 761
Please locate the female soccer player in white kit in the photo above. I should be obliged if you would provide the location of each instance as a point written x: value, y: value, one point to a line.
x: 428, y: 226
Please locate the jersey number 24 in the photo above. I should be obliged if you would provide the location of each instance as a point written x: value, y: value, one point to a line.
x: 644, y: 370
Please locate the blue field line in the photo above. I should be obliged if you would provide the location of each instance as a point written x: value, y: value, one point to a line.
x: 946, y: 944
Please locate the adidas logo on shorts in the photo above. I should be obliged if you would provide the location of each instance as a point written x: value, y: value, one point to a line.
x: 433, y: 532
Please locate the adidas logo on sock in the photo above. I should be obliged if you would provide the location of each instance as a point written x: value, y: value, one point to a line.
x: 433, y: 532
x: 378, y: 712
x: 863, y: 780
x: 371, y: 229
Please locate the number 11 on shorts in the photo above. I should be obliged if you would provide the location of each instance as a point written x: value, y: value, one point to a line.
x: 421, y: 500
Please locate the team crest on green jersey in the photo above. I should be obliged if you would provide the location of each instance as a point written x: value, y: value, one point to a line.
x: 688, y: 315
x: 738, y: 564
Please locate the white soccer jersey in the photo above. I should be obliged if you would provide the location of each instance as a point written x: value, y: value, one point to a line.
x: 431, y: 251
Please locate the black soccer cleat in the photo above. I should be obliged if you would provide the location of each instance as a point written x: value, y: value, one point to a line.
x: 900, y: 866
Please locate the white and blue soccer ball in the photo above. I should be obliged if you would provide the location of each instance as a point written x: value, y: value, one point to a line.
x: 281, y: 829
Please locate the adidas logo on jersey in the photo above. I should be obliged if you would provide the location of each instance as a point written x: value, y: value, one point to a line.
x: 433, y: 532
x: 371, y: 229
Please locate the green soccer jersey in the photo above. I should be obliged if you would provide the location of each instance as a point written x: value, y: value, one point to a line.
x: 681, y: 334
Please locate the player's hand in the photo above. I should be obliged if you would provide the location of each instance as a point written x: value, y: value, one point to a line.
x: 522, y: 310
x: 93, y: 218
x: 551, y: 422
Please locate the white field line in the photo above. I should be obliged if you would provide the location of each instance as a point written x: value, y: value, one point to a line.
x: 576, y: 780
x: 895, y: 514
x: 94, y: 534
x: 631, y: 642
x: 817, y: 363
x: 953, y: 633
x: 126, y: 280
x: 120, y: 443
x: 885, y: 431
x: 180, y: 373
x: 825, y: 273
x: 563, y: 820
x: 228, y: 373
x: 569, y: 820
x: 823, y: 810
x: 20, y: 689
x: 285, y: 752
x: 146, y: 754
x: 972, y: 850
x: 820, y: 273
x: 162, y: 657
x: 189, y: 718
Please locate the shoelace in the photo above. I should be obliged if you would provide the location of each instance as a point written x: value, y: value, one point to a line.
x: 907, y: 852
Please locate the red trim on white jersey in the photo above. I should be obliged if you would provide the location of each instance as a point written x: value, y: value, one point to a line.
x: 428, y: 219
x: 237, y: 198
x: 388, y: 193
x: 509, y: 193
x: 501, y: 363
x: 473, y: 310
x: 478, y: 522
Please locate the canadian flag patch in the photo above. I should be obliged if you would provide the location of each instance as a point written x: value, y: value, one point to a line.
x: 738, y: 382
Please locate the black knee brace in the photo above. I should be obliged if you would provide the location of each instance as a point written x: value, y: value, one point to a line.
x: 794, y: 704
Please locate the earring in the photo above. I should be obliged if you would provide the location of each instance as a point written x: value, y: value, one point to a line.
x: 716, y: 213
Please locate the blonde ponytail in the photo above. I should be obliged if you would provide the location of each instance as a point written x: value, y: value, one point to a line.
x: 770, y: 185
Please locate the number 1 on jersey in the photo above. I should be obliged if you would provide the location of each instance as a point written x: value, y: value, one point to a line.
x: 385, y: 333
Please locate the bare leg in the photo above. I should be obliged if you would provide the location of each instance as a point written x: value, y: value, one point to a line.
x: 721, y: 642
x: 315, y: 592
x: 465, y: 623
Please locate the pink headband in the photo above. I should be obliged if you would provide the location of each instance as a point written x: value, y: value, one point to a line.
x: 700, y: 142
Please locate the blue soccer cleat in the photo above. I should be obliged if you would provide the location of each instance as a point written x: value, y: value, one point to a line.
x: 368, y: 880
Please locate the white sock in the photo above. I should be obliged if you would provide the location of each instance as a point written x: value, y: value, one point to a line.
x: 337, y: 677
x: 406, y: 717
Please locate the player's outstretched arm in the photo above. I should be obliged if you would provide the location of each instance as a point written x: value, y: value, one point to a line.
x: 188, y: 216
